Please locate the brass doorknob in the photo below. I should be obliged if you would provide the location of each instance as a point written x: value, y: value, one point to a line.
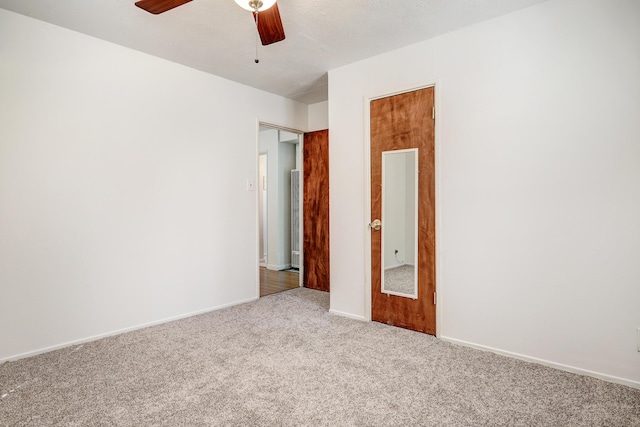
x: 376, y: 224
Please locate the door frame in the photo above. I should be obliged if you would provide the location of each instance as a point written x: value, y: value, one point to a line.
x: 262, y: 213
x: 440, y: 293
x: 256, y: 257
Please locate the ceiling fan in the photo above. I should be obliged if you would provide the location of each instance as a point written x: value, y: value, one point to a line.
x: 265, y: 14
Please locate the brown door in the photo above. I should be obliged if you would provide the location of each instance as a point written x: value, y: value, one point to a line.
x: 316, y: 210
x: 403, y: 122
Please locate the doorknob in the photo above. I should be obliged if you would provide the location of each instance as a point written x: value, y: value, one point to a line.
x: 376, y: 225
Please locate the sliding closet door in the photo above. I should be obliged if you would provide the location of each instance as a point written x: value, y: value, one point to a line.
x: 316, y: 210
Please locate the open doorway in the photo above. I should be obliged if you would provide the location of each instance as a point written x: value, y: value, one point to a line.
x: 280, y: 209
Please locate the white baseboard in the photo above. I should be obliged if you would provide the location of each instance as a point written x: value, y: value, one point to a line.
x: 402, y: 264
x: 391, y: 267
x: 562, y: 367
x: 122, y: 331
x: 348, y: 315
x: 278, y: 267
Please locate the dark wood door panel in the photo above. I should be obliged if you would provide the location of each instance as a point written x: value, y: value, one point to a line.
x: 401, y: 122
x: 316, y: 210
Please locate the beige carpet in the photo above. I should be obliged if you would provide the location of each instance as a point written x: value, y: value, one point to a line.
x: 285, y: 361
x: 400, y: 279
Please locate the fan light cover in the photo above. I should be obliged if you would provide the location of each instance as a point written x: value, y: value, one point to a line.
x: 248, y: 4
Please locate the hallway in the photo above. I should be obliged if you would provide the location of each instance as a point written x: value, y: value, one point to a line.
x: 272, y: 281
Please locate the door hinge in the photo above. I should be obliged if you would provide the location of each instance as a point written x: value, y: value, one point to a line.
x: 435, y: 298
x: 433, y: 113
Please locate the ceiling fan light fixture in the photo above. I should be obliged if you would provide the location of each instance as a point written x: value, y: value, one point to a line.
x: 253, y: 5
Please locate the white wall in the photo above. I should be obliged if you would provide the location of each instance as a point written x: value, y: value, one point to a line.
x: 268, y: 144
x: 123, y: 194
x: 318, y: 116
x: 538, y: 182
x: 263, y: 207
x: 410, y: 237
x: 286, y: 163
x: 394, y: 205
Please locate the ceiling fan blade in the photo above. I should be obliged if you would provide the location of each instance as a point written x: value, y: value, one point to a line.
x: 159, y: 6
x: 270, y: 25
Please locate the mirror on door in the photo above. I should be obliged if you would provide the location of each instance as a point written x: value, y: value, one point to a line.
x: 400, y: 222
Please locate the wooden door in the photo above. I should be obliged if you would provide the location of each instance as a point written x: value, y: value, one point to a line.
x: 402, y: 122
x: 316, y: 210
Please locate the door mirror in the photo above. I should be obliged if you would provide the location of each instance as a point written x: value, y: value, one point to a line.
x: 400, y: 223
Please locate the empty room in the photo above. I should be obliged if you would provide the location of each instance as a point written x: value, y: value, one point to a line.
x: 457, y: 220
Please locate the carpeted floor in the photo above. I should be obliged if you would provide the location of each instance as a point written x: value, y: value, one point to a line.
x: 400, y: 279
x: 285, y: 361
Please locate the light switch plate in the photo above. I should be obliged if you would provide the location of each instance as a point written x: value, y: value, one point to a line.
x: 250, y: 185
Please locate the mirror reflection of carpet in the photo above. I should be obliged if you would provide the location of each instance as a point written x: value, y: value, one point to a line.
x: 400, y: 279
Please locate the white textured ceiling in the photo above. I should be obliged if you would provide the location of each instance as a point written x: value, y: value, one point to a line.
x: 218, y: 37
